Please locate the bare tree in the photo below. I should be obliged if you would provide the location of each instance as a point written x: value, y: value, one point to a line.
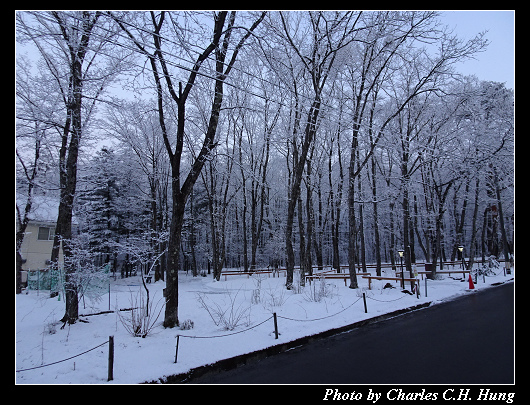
x: 328, y: 34
x: 419, y: 73
x: 224, y: 26
x: 66, y: 45
x: 335, y: 136
x: 32, y: 128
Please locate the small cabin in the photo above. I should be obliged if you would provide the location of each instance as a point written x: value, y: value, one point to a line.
x: 37, y: 245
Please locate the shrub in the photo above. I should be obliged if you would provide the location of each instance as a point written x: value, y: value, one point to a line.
x: 227, y: 314
x: 142, y: 318
x: 318, y: 290
x: 187, y: 324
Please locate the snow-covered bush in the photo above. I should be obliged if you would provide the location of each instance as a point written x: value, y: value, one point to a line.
x: 255, y: 298
x: 187, y: 324
x: 50, y: 328
x: 319, y: 289
x: 368, y: 293
x: 229, y: 314
x: 256, y: 293
x: 276, y: 297
x: 490, y: 267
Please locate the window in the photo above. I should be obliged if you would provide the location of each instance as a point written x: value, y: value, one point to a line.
x: 45, y: 233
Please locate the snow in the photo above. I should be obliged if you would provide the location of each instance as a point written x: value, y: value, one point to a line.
x: 39, y: 339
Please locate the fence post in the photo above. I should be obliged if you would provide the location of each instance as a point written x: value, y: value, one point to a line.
x: 425, y: 286
x: 364, y: 300
x: 111, y: 358
x: 177, y: 348
x: 275, y: 325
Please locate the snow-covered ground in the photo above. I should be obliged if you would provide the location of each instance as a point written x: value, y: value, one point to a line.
x: 40, y: 341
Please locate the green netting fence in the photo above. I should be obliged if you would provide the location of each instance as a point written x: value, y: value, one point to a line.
x: 52, y: 279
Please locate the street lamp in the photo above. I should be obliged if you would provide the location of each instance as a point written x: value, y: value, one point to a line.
x: 400, y: 252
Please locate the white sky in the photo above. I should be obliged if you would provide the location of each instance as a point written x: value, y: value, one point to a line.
x: 498, y: 62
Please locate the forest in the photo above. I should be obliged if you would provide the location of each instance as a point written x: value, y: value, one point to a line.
x: 198, y: 141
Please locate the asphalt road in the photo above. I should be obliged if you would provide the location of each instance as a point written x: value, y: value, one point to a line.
x: 469, y: 340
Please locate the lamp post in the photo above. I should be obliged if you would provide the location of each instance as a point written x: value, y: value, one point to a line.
x: 400, y: 252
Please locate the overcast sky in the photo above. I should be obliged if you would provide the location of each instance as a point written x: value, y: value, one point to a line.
x: 498, y: 62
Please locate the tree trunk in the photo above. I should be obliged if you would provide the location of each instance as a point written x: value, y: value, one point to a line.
x: 405, y: 178
x: 171, y: 291
x: 501, y: 217
x: 68, y: 182
x: 260, y: 187
x: 193, y: 240
x: 294, y: 191
x: 310, y: 218
x: 303, y: 253
x: 318, y: 242
x: 335, y: 205
x: 417, y: 231
x: 473, y: 245
x: 77, y: 46
x: 352, y: 231
x: 351, y: 240
x: 361, y: 222
x: 244, y: 223
x: 289, y: 244
x: 406, y: 230
x: 460, y: 223
x: 377, y: 241
x: 392, y: 237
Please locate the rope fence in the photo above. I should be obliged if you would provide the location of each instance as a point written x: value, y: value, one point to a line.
x: 218, y: 336
x: 110, y: 341
x: 227, y: 334
x: 324, y: 317
x: 274, y: 316
x: 375, y: 299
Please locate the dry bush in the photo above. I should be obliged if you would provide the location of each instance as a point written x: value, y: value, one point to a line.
x: 227, y: 314
x: 141, y: 318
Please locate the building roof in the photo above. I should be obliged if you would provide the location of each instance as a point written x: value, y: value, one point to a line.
x: 43, y: 208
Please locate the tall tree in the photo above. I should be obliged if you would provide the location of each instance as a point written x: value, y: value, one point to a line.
x: 35, y: 107
x: 223, y: 28
x: 65, y: 43
x: 415, y: 73
x: 317, y: 50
